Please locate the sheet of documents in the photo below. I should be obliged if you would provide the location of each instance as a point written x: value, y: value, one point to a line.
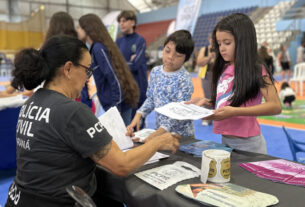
x: 143, y: 134
x: 164, y: 176
x: 114, y: 124
x: 181, y: 111
x: 11, y: 102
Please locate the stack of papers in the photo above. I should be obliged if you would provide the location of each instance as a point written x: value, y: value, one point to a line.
x: 115, y: 126
x: 182, y: 111
x: 11, y: 102
x: 167, y: 175
x: 196, y: 148
x: 226, y: 195
x: 143, y: 134
x: 278, y: 171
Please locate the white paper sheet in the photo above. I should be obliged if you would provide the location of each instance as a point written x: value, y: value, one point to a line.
x: 164, y: 176
x: 114, y: 124
x: 181, y: 111
x: 143, y: 134
x: 11, y: 102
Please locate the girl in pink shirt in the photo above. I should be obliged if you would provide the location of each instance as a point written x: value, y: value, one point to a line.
x: 240, y: 81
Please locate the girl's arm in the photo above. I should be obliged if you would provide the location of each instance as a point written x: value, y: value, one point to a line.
x: 272, y: 105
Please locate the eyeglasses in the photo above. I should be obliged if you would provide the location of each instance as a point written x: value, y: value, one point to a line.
x: 89, y: 70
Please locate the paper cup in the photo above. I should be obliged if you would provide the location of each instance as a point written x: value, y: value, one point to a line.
x: 215, y: 166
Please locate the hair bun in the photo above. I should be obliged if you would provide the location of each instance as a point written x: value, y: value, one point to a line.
x: 30, y: 69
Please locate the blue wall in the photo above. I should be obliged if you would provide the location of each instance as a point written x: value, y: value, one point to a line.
x: 207, y: 6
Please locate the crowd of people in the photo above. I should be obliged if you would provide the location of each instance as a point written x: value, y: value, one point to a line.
x: 65, y: 140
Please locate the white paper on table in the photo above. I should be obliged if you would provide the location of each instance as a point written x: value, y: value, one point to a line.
x: 115, y: 126
x: 182, y: 111
x: 143, y: 134
x: 167, y: 175
x: 11, y: 102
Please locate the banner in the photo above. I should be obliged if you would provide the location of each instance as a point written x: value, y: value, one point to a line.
x: 28, y: 33
x: 111, y: 23
x: 187, y: 14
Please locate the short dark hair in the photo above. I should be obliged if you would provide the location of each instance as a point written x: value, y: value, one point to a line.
x: 128, y: 15
x: 184, y: 42
x: 285, y: 85
x: 32, y: 66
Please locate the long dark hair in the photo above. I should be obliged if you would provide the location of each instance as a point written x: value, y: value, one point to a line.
x: 263, y: 53
x: 32, y: 67
x: 248, y: 69
x: 61, y: 23
x: 95, y: 29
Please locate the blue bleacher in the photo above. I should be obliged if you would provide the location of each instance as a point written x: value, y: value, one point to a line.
x: 206, y: 23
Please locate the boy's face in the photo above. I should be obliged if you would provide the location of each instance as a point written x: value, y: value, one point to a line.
x: 172, y: 60
x: 126, y: 26
x: 226, y: 43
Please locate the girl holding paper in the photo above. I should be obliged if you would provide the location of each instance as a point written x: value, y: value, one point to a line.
x: 239, y: 83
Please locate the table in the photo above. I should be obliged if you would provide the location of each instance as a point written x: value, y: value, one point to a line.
x: 135, y: 192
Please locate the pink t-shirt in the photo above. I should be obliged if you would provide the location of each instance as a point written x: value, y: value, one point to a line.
x: 240, y: 126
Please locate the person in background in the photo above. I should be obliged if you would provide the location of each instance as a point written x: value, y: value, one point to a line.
x: 266, y: 58
x: 283, y: 59
x: 301, y: 52
x: 61, y: 23
x: 168, y: 83
x: 239, y: 83
x: 287, y: 95
x: 114, y: 81
x: 60, y: 141
x: 206, y: 59
x: 133, y: 47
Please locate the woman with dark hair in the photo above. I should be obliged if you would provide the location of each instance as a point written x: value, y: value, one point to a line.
x: 239, y: 83
x: 60, y: 141
x: 61, y: 23
x: 114, y: 81
x: 266, y: 58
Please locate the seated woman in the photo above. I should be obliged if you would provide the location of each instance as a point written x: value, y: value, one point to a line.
x: 59, y: 140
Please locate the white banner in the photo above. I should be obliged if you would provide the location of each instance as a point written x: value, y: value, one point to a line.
x: 110, y: 22
x: 187, y: 14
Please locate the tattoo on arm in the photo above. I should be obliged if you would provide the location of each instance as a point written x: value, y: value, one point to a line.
x: 102, y: 152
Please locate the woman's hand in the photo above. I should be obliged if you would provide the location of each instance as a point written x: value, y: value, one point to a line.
x: 199, y: 101
x: 222, y: 113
